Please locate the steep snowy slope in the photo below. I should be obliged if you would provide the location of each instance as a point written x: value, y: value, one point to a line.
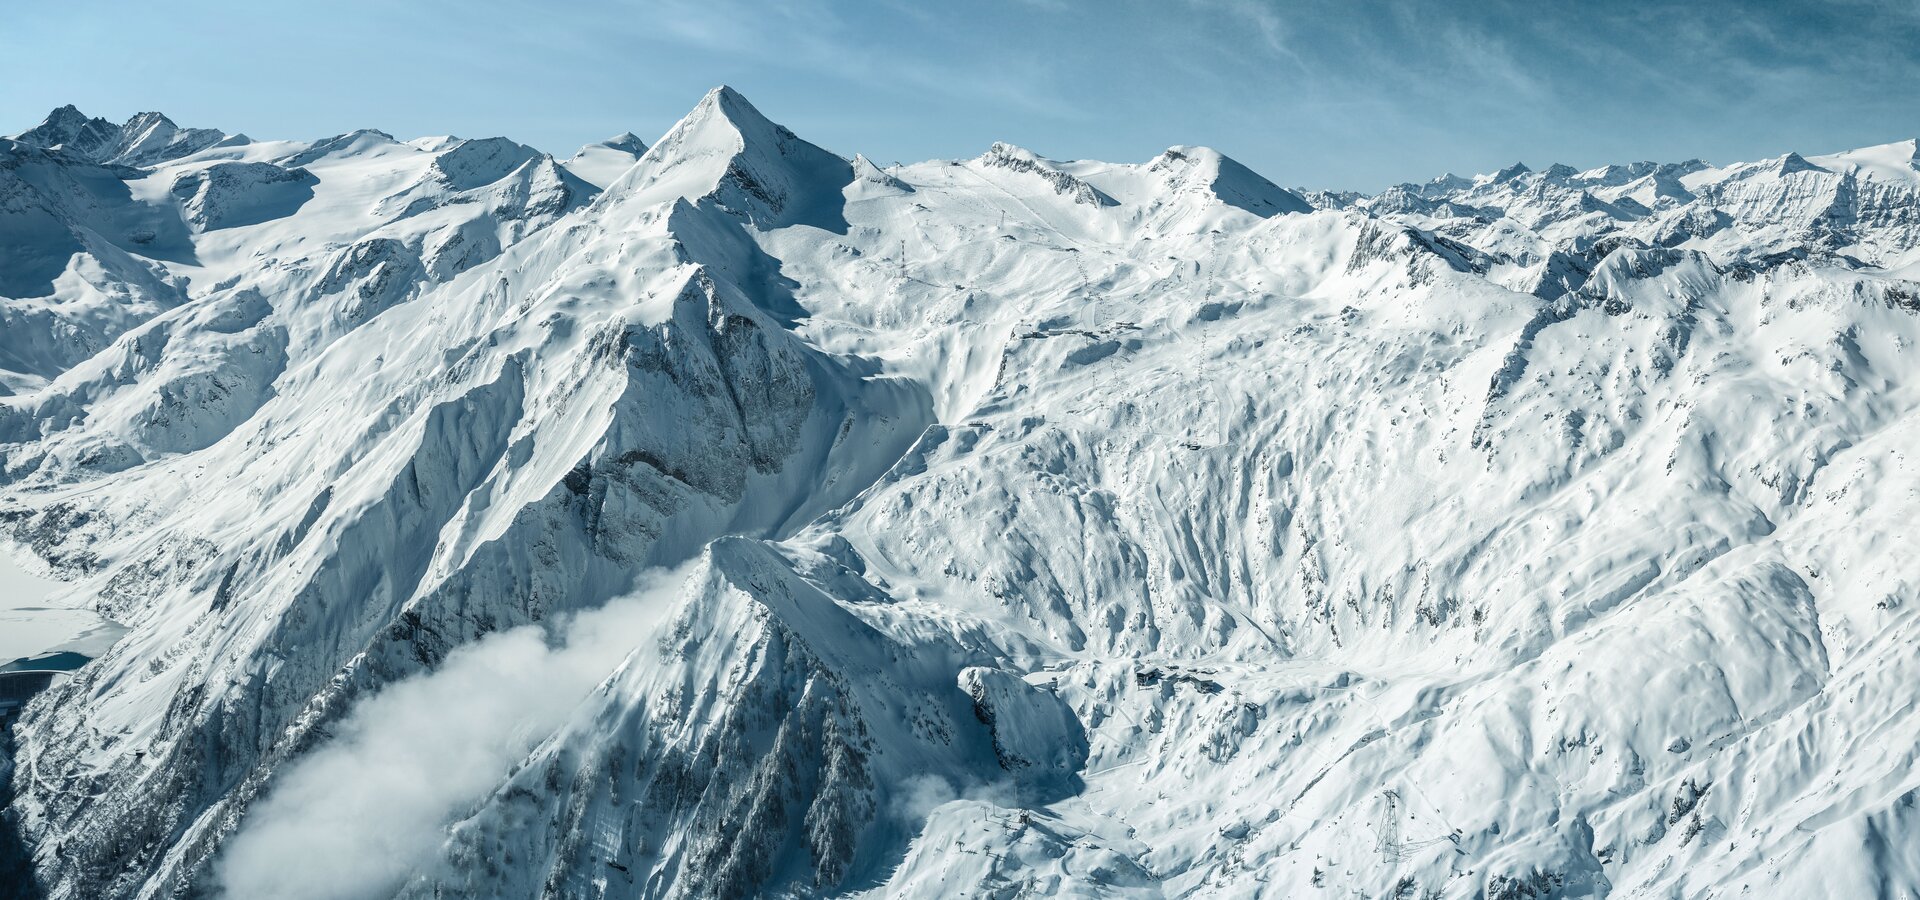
x: 86, y: 260
x: 600, y: 164
x: 285, y: 247
x: 1043, y: 527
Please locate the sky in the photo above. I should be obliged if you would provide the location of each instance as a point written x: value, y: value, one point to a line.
x: 1339, y: 94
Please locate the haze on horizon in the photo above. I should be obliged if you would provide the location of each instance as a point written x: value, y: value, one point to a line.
x: 1317, y: 93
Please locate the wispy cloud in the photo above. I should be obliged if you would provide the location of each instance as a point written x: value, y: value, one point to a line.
x: 355, y: 817
x: 1339, y: 93
x: 821, y: 39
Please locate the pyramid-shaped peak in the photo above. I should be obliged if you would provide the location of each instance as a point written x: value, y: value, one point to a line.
x: 150, y: 138
x: 65, y: 115
x: 1511, y: 172
x: 866, y: 171
x: 149, y: 119
x: 147, y: 138
x: 724, y: 122
x: 867, y: 168
x: 731, y: 106
x: 65, y: 120
x: 626, y: 140
x: 1794, y: 162
x: 727, y: 152
x: 70, y: 129
x: 1441, y: 186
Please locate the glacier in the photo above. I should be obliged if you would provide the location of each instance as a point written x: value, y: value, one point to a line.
x: 725, y: 517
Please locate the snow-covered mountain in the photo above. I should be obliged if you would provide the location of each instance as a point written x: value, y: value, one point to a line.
x: 603, y: 162
x: 728, y: 517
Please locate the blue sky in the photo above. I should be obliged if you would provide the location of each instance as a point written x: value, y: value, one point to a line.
x: 1322, y: 93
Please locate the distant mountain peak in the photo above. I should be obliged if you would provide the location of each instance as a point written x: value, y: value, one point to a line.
x: 724, y: 104
x: 1794, y: 162
x: 865, y: 170
x: 149, y: 119
x: 1227, y: 180
x: 1006, y: 149
x: 1511, y: 172
x: 478, y: 161
x: 68, y: 116
x: 67, y: 128
x: 145, y: 139
x: 626, y: 140
x: 1003, y: 155
x: 727, y: 151
x: 601, y: 163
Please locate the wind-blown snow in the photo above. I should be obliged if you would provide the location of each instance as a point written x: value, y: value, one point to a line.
x: 1056, y: 527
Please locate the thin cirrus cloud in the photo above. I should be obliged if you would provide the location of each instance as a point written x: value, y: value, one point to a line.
x: 1325, y: 93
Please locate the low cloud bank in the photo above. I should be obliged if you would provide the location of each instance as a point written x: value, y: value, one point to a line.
x: 363, y: 811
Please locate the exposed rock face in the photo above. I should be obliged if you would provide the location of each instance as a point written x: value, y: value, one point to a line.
x: 227, y: 195
x: 1053, y: 527
x: 1036, y: 737
x: 147, y: 139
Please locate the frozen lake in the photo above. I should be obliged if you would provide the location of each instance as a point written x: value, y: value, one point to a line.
x: 32, y: 626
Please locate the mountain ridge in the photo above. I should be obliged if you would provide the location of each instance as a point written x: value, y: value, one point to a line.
x: 1059, y: 526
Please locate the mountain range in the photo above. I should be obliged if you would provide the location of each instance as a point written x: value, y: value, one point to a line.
x: 727, y: 517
